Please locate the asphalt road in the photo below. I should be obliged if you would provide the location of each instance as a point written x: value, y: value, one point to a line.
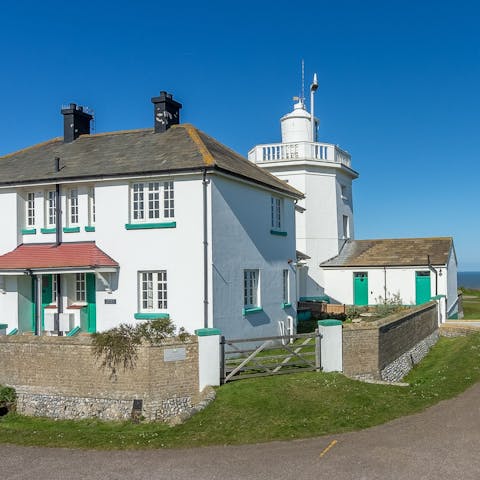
x: 441, y: 443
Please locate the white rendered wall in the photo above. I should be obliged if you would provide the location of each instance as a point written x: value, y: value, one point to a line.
x: 9, y: 206
x: 396, y: 280
x: 451, y: 279
x: 319, y: 229
x: 178, y: 250
x: 242, y: 240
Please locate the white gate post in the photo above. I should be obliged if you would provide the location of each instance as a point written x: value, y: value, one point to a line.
x: 208, y: 357
x: 332, y: 345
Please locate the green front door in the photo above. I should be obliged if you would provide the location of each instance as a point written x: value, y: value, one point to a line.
x: 423, y: 292
x: 360, y: 288
x: 92, y: 303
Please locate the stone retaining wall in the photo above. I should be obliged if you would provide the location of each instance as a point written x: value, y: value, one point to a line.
x: 59, y: 377
x: 387, y: 349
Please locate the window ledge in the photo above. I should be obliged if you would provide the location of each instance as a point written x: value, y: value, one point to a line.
x: 71, y: 229
x: 48, y: 230
x: 249, y: 311
x: 150, y: 316
x: 29, y: 231
x: 286, y: 305
x: 149, y: 226
x: 279, y: 233
x: 89, y: 228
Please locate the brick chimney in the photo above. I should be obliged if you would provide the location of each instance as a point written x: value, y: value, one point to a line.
x: 166, y: 112
x: 76, y: 122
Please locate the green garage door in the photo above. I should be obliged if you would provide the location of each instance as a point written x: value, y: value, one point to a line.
x: 422, y: 287
x: 360, y: 288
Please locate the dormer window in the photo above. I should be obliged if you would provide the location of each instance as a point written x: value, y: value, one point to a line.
x: 152, y: 201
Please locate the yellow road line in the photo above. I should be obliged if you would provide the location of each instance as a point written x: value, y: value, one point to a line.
x: 332, y: 443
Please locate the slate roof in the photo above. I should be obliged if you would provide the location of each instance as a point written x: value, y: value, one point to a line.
x: 50, y: 256
x: 126, y: 153
x: 393, y: 252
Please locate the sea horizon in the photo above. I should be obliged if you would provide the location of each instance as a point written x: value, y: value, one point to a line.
x: 468, y: 279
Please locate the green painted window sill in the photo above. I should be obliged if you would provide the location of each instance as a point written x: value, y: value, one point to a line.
x: 286, y: 305
x: 149, y: 226
x: 29, y: 231
x: 207, y: 332
x: 48, y: 230
x: 89, y: 228
x: 279, y: 233
x: 150, y: 316
x: 249, y: 311
x: 71, y: 229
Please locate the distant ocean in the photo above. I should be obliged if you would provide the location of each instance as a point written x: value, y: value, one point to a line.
x: 469, y: 279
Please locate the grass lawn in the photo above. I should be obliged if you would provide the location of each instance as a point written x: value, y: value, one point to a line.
x: 273, y: 408
x: 471, y: 304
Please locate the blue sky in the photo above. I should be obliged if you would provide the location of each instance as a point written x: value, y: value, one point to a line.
x: 399, y: 85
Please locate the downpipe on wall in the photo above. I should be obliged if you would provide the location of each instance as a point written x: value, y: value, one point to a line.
x: 205, y: 183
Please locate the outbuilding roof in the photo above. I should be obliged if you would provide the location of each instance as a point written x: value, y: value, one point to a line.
x: 393, y: 252
x: 47, y: 256
x: 182, y: 148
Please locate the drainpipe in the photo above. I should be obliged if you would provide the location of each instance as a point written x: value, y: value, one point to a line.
x: 384, y: 284
x: 58, y: 237
x: 205, y: 183
x: 431, y: 267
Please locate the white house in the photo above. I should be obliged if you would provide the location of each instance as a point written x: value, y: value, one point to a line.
x: 413, y: 270
x: 102, y: 229
x: 323, y: 171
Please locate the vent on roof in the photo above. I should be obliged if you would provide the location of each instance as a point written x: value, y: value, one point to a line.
x: 76, y: 122
x: 166, y: 112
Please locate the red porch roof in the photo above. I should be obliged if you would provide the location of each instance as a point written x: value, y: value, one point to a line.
x: 51, y: 256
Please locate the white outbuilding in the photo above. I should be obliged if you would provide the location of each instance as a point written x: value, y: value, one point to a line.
x: 409, y: 270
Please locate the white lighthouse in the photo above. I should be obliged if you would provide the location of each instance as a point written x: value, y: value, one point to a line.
x: 324, y: 219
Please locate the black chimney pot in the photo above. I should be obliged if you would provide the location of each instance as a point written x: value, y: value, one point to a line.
x: 76, y: 122
x: 166, y: 112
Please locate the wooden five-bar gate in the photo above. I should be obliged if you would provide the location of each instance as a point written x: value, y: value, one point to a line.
x: 259, y: 357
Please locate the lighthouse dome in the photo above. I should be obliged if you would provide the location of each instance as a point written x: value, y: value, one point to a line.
x: 296, y: 125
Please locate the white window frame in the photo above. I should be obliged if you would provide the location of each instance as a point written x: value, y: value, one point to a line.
x: 50, y: 209
x: 30, y: 220
x: 152, y: 291
x: 54, y: 289
x: 251, y: 288
x: 152, y: 201
x: 276, y: 213
x: 73, y: 208
x: 286, y: 286
x: 91, y: 206
x: 80, y: 288
x: 345, y: 227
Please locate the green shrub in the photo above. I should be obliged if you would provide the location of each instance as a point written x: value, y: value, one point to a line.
x: 7, y: 395
x: 118, y: 347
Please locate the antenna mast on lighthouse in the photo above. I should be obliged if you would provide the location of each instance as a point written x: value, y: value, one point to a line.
x: 313, y: 89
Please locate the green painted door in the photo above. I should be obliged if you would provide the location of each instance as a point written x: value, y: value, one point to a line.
x: 91, y: 303
x: 423, y: 292
x: 47, y: 297
x: 360, y: 288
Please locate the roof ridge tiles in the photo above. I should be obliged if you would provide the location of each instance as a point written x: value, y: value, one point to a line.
x: 37, y: 145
